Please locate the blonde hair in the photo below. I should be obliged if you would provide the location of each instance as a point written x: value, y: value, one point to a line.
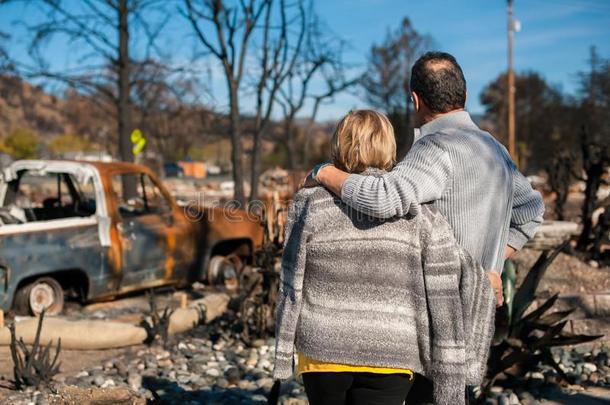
x: 363, y: 138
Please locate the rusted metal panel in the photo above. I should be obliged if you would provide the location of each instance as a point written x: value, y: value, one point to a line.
x: 41, y: 252
x: 101, y: 246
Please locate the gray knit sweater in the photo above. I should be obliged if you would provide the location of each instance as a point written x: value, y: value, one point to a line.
x: 470, y: 178
x: 397, y: 293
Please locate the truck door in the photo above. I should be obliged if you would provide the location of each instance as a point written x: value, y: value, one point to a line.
x: 145, y: 221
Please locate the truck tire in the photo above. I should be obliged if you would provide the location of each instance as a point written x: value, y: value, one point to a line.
x: 42, y: 293
x: 223, y: 271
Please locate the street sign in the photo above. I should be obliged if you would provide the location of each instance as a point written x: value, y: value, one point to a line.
x: 138, y: 141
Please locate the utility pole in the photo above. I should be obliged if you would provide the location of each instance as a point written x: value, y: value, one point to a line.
x: 511, y: 85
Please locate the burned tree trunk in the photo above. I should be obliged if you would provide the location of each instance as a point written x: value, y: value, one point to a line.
x: 595, y: 157
x: 560, y: 177
x: 124, y: 113
x: 236, y: 146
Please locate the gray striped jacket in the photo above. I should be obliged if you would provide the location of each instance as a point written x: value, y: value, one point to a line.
x: 397, y: 293
x: 466, y: 174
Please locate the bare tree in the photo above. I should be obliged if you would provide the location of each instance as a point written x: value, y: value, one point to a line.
x: 102, y: 32
x: 5, y: 63
x: 386, y: 83
x: 232, y: 27
x: 318, y: 77
x: 595, y: 152
x: 276, y: 29
x: 280, y: 51
x: 168, y: 108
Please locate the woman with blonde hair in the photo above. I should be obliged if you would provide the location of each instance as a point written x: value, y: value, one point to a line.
x: 366, y: 303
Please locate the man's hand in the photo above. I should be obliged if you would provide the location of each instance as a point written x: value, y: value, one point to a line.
x: 509, y: 251
x: 309, y: 181
x: 328, y: 176
x: 496, y: 284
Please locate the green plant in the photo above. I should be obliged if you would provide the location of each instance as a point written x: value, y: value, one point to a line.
x: 21, y: 144
x: 523, y: 339
x: 68, y: 143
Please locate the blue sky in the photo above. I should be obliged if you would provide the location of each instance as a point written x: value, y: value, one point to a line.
x: 554, y: 40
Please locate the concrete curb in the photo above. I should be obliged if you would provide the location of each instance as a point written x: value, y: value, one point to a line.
x: 97, y: 335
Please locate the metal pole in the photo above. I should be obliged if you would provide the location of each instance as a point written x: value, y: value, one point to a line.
x: 511, y: 85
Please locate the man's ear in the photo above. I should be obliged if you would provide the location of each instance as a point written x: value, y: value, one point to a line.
x: 416, y: 102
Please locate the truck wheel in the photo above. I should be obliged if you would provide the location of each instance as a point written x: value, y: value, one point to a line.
x: 223, y: 271
x: 43, y: 293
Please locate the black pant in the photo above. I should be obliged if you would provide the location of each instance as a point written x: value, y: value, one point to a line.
x: 421, y: 391
x: 356, y: 388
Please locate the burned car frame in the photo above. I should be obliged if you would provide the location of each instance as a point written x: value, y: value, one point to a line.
x: 96, y: 230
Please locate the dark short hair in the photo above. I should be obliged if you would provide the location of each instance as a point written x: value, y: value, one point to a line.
x: 438, y: 80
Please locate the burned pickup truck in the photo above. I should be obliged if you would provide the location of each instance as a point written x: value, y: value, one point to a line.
x: 93, y: 231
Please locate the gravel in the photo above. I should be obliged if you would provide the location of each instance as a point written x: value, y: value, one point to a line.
x: 584, y: 366
x: 202, y: 367
x: 211, y: 366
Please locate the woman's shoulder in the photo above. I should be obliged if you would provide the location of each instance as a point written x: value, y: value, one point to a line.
x: 311, y: 195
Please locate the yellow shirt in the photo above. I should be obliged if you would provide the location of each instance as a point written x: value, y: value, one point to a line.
x: 309, y: 365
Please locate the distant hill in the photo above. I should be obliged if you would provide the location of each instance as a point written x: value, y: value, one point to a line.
x: 23, y: 105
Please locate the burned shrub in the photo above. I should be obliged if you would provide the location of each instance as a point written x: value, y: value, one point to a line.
x: 33, y: 367
x: 156, y: 323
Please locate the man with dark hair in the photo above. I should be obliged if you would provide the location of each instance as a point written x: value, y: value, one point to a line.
x: 453, y: 164
x: 438, y: 79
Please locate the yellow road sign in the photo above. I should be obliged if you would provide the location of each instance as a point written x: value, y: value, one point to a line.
x: 138, y: 141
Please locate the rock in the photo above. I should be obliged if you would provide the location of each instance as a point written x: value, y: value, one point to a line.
x: 503, y: 399
x: 265, y: 383
x: 108, y: 365
x: 82, y: 374
x: 60, y: 378
x: 589, y: 367
x: 108, y: 384
x: 594, y: 378
x: 264, y: 364
x: 163, y: 355
x: 496, y: 390
x: 232, y: 375
x: 165, y: 363
x: 184, y: 379
x: 202, y: 358
x: 99, y: 380
x: 213, y: 372
x: 134, y: 380
x: 222, y: 383
x: 258, y: 343
x: 246, y: 385
x: 513, y: 399
x: 121, y: 369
